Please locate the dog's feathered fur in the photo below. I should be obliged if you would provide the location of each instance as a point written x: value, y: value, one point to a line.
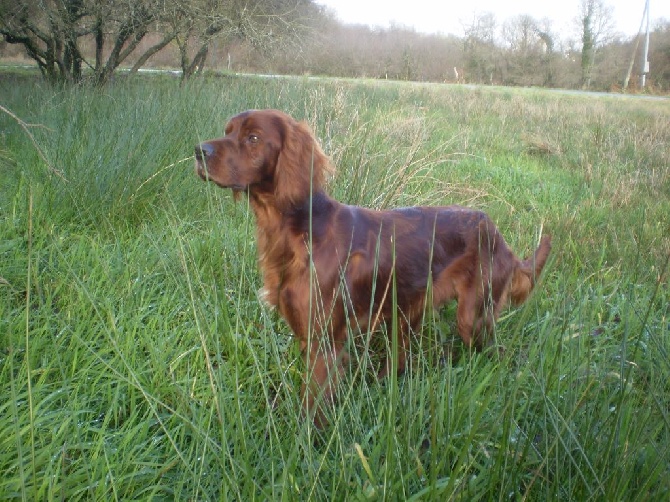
x: 330, y: 267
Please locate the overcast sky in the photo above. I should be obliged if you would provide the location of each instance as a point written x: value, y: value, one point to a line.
x: 444, y: 16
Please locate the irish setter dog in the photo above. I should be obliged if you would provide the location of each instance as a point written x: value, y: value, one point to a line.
x: 331, y: 269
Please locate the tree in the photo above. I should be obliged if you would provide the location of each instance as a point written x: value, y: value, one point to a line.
x: 597, y: 28
x: 263, y: 24
x: 523, y: 49
x: 548, y: 48
x: 659, y: 56
x: 528, y: 51
x: 55, y: 33
x: 480, y: 50
x: 52, y: 32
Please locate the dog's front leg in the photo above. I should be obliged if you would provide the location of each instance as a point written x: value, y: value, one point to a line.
x: 325, y: 362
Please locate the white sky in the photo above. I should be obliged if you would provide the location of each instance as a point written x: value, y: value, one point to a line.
x: 444, y: 16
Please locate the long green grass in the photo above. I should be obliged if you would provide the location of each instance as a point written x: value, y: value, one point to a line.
x: 137, y: 362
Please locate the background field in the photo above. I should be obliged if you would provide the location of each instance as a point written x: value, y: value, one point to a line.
x: 137, y: 362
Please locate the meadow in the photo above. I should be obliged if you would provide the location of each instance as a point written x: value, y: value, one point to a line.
x: 138, y: 363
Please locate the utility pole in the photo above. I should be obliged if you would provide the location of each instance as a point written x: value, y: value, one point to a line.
x: 644, y: 65
x: 645, y: 52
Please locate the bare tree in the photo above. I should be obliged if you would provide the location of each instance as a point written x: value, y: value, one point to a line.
x: 480, y: 48
x: 549, y: 54
x: 54, y: 32
x: 660, y: 56
x: 263, y: 24
x: 529, y: 51
x: 522, y: 48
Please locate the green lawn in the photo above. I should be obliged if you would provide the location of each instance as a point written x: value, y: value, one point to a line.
x: 137, y: 362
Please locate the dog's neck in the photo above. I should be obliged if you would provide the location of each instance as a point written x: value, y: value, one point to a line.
x: 271, y: 217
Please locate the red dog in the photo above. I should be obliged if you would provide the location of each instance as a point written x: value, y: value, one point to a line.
x: 330, y: 268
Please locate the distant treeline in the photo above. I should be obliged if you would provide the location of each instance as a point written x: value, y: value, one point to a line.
x: 73, y: 40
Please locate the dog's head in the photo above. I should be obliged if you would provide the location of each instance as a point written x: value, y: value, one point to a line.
x: 265, y: 152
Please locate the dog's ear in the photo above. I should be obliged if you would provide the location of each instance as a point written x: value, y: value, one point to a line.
x: 301, y: 166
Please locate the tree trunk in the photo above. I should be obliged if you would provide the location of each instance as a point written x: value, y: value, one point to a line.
x: 587, y: 51
x: 197, y: 64
x: 151, y: 51
x: 99, y: 44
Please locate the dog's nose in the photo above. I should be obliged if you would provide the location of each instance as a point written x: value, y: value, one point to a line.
x: 203, y: 151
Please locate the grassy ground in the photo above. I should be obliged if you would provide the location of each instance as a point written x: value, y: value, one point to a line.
x: 136, y: 361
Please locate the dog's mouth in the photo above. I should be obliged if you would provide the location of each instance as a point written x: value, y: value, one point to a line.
x: 205, y: 175
x: 202, y: 171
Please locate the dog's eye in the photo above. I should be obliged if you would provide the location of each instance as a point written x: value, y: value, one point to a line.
x: 253, y: 139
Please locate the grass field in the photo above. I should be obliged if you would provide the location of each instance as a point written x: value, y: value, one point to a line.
x: 137, y: 362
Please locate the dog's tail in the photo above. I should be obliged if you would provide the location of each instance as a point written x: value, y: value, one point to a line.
x: 528, y: 271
